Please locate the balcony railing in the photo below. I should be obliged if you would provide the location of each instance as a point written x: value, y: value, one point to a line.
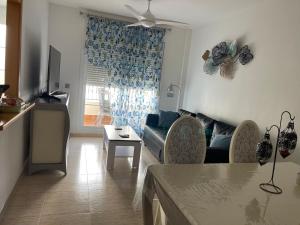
x: 92, y: 93
x: 92, y: 112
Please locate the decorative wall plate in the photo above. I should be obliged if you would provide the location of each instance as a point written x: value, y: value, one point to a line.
x: 224, y: 56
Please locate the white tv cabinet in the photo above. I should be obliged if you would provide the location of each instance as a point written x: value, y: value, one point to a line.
x: 49, y: 135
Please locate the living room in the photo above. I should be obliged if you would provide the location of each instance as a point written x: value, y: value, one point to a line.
x: 190, y: 77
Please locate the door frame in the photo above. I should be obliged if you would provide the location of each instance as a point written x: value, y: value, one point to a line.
x: 82, y: 90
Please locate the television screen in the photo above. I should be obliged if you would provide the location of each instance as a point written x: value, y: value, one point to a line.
x: 53, y: 70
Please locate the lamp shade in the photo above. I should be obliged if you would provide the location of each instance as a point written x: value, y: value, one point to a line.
x: 170, y: 91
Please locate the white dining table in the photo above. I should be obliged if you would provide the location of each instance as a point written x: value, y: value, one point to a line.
x: 223, y: 194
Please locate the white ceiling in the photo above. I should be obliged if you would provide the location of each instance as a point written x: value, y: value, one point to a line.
x: 194, y: 12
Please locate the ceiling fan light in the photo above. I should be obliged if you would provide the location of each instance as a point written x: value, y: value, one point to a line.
x: 148, y: 24
x: 148, y: 20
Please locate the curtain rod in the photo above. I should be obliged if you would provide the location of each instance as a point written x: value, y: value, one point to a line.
x: 88, y: 12
x: 106, y: 15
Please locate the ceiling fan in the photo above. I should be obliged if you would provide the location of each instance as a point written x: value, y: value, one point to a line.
x: 148, y: 20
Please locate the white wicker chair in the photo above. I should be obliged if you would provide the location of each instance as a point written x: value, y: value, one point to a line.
x: 185, y: 142
x: 243, y: 143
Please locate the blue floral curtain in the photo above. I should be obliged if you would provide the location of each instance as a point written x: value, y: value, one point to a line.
x: 133, y: 59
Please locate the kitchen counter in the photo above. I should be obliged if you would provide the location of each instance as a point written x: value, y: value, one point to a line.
x: 7, y: 119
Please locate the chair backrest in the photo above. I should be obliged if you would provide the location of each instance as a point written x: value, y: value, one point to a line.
x: 243, y: 143
x: 185, y: 142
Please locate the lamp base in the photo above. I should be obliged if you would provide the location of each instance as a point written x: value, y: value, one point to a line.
x: 270, y: 188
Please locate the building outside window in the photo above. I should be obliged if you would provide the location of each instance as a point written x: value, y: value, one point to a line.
x: 2, y: 52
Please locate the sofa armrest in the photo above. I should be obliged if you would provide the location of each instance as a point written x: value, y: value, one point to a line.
x: 152, y: 120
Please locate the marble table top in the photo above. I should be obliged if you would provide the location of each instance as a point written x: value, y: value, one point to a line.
x: 229, y: 194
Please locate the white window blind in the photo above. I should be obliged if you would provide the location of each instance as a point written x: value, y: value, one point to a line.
x: 96, y: 76
x: 96, y: 87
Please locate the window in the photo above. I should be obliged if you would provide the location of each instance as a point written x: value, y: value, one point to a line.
x: 97, y: 102
x: 2, y: 52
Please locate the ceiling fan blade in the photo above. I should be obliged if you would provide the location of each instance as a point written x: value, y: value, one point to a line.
x: 134, y: 12
x: 135, y: 24
x: 171, y: 23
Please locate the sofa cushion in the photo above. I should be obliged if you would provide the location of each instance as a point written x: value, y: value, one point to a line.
x: 152, y: 120
x: 183, y: 112
x: 166, y: 119
x: 205, y: 120
x: 208, y: 125
x: 222, y: 128
x: 221, y: 141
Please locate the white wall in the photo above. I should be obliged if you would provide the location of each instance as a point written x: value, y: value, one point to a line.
x: 34, y: 51
x: 262, y: 89
x: 66, y: 30
x: 177, y: 44
x: 67, y: 33
x: 34, y: 48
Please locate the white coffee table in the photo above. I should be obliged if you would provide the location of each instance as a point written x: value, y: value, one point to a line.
x: 112, y: 139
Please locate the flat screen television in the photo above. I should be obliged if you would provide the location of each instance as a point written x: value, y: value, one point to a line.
x: 53, y: 70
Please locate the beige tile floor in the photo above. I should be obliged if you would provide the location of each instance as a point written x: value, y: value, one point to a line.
x: 88, y: 195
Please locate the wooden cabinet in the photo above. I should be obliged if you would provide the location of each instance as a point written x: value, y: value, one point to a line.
x: 49, y: 135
